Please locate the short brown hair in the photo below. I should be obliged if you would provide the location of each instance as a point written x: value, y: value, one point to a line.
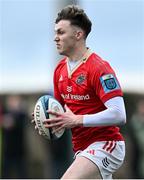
x: 76, y: 16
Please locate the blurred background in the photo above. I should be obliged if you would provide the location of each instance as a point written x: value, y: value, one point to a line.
x: 28, y: 57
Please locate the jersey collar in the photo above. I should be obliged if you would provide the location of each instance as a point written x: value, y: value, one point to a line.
x: 81, y: 61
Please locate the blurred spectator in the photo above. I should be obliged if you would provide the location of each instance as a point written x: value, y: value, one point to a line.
x: 62, y: 155
x: 0, y: 139
x: 0, y: 114
x: 13, y: 138
x: 137, y: 132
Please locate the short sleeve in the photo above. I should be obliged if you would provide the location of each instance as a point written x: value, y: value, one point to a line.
x: 105, y: 82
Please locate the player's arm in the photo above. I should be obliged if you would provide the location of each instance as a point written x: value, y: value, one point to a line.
x: 107, y: 88
x: 114, y: 114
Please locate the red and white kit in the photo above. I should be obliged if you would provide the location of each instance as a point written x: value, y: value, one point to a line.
x: 84, y: 90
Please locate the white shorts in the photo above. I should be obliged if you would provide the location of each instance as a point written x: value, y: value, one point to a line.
x: 107, y: 155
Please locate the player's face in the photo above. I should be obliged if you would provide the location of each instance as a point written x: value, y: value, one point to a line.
x: 65, y: 37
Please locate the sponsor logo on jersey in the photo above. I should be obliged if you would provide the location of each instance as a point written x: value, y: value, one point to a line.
x: 80, y: 79
x: 109, y: 83
x: 75, y: 96
x: 69, y: 88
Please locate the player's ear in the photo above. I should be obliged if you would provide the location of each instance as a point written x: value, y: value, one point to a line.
x: 79, y: 35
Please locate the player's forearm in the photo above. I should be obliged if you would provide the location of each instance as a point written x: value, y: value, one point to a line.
x: 113, y: 115
x: 79, y: 120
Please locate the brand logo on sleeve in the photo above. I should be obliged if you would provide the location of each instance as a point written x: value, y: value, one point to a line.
x: 109, y: 83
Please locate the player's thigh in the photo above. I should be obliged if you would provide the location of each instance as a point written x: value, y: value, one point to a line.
x: 82, y: 168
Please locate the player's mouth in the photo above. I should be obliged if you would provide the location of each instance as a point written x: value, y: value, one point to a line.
x: 58, y: 46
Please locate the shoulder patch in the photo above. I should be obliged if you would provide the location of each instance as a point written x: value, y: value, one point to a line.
x: 109, y: 83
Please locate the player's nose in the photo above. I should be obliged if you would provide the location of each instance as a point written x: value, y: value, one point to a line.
x: 56, y: 38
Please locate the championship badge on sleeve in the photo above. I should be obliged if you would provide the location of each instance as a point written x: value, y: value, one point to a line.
x: 109, y: 83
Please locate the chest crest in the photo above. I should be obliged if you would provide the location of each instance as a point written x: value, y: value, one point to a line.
x: 80, y: 79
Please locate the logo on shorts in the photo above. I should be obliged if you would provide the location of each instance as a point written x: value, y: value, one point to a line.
x: 105, y: 162
x: 91, y: 151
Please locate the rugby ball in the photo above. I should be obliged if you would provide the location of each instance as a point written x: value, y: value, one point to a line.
x: 43, y: 104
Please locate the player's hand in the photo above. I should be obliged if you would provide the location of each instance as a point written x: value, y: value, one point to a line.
x: 63, y: 120
x: 32, y: 114
x: 33, y: 122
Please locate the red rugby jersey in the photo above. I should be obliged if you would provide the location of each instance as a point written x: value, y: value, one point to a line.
x: 85, y: 91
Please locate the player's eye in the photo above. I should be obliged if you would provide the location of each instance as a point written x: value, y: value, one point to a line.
x: 61, y: 32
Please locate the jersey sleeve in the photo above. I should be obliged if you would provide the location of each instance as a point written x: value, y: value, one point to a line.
x: 105, y: 82
x: 57, y: 94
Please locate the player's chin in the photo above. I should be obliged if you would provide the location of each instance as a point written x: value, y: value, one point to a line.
x: 61, y: 51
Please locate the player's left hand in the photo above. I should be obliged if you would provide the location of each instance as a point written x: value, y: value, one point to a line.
x: 33, y: 122
x: 63, y: 120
